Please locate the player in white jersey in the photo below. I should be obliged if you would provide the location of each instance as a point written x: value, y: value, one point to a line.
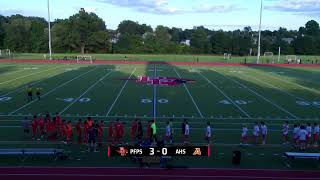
x: 285, y: 132
x: 208, y: 134
x: 295, y: 132
x: 168, y: 133
x: 186, y: 132
x: 256, y: 131
x: 244, y: 135
x: 302, y: 137
x: 264, y: 132
x: 316, y: 131
x: 309, y: 133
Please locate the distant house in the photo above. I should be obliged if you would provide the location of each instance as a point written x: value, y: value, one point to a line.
x: 186, y: 42
x: 288, y: 40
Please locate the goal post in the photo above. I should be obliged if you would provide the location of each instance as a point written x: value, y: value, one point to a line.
x: 82, y: 58
x: 269, y: 56
x: 292, y: 59
x: 5, y: 53
x: 227, y: 56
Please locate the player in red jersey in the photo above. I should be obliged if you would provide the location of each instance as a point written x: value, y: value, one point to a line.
x: 63, y: 130
x: 85, y: 132
x: 100, y: 133
x: 41, y: 127
x: 34, y: 125
x: 110, y: 132
x: 58, y: 123
x: 79, y: 133
x: 119, y: 131
x: 69, y: 132
x: 90, y: 122
x: 133, y: 130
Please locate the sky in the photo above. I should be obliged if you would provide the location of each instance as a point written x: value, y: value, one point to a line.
x: 213, y: 14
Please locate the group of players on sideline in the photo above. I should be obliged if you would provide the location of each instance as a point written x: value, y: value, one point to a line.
x: 92, y: 132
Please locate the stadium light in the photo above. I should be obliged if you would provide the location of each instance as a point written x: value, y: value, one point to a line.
x: 49, y: 28
x: 259, y: 40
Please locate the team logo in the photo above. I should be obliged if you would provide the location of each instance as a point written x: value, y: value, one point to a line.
x: 197, y: 152
x: 123, y: 151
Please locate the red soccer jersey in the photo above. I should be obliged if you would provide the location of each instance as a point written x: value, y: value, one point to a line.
x: 110, y: 130
x: 58, y: 121
x: 134, y: 128
x: 34, y: 124
x: 41, y: 123
x: 100, y: 130
x: 78, y: 128
x: 69, y: 130
x: 149, y: 131
x: 118, y: 130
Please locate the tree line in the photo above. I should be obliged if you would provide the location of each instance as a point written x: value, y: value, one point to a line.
x: 87, y: 33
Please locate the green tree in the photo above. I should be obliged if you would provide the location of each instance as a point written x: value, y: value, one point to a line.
x: 83, y: 27
x: 312, y: 28
x: 200, y: 41
x: 162, y: 37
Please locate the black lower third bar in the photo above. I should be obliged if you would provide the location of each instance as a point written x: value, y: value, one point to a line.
x: 125, y: 151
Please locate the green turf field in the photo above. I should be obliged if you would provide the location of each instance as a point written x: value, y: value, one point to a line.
x: 226, y: 96
x: 176, y: 58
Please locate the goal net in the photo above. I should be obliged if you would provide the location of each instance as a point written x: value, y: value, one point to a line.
x: 291, y: 59
x: 5, y: 53
x: 84, y: 59
x: 227, y: 56
x: 269, y: 57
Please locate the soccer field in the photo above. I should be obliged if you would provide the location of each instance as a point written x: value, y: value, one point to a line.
x: 228, y: 97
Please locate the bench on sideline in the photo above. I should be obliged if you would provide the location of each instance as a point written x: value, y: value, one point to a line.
x: 25, y: 153
x: 298, y: 155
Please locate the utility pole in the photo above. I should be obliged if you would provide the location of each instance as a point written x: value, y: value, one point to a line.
x: 259, y: 40
x: 49, y: 29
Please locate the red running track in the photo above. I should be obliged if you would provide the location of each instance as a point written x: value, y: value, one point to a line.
x: 88, y: 173
x: 119, y: 62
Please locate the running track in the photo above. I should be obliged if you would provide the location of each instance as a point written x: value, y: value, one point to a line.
x: 119, y: 62
x: 78, y: 173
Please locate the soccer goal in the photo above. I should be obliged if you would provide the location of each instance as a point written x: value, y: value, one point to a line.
x: 269, y: 56
x: 227, y: 56
x: 5, y: 53
x: 82, y: 58
x: 292, y: 59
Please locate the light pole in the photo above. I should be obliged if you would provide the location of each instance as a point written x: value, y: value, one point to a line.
x: 259, y: 40
x: 49, y: 28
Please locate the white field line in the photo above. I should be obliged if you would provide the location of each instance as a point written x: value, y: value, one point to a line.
x: 191, y: 128
x: 257, y: 94
x: 32, y: 84
x: 289, y: 82
x: 85, y: 92
x: 279, y: 89
x: 120, y: 92
x: 185, y: 86
x: 29, y: 75
x: 226, y: 96
x: 61, y: 85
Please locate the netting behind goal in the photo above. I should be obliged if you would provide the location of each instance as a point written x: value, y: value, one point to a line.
x: 292, y: 59
x: 5, y: 53
x: 269, y: 57
x: 84, y: 59
x: 227, y: 56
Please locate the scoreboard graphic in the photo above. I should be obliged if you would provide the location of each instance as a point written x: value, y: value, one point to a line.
x: 127, y: 151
